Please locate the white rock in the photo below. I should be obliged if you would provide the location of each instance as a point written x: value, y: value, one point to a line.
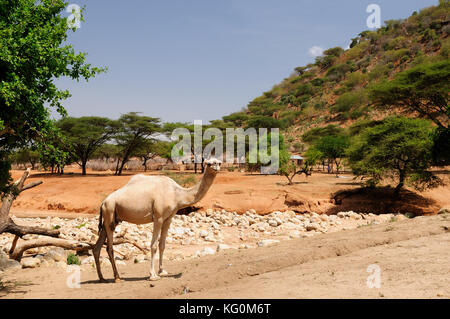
x: 267, y: 242
x: 88, y: 260
x: 203, y: 233
x: 178, y: 230
x: 205, y: 251
x: 273, y: 223
x: 221, y: 247
x: 295, y: 234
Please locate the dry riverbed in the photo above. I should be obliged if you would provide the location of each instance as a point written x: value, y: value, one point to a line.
x: 411, y: 253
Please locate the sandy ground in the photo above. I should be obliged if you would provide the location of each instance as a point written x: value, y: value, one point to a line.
x: 412, y: 256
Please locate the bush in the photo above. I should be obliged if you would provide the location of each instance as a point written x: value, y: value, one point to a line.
x: 337, y: 72
x: 349, y: 100
x: 395, y: 147
x: 73, y: 259
x: 355, y: 79
x: 394, y: 55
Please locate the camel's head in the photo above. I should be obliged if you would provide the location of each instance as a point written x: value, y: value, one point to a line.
x: 213, y: 164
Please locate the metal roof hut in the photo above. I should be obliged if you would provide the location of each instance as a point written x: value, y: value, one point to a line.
x: 297, y: 159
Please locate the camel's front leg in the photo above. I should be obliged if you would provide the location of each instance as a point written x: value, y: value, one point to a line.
x: 162, y: 244
x: 157, y: 224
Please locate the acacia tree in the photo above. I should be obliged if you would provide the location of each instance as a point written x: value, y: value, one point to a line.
x: 150, y: 149
x: 333, y: 148
x: 396, y: 147
x: 32, y: 56
x: 85, y: 135
x: 423, y: 89
x: 133, y: 131
x: 27, y: 155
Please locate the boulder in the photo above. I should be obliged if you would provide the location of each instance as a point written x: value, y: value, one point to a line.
x: 56, y: 254
x: 312, y: 226
x: 6, y: 263
x: 30, y: 262
x: 205, y: 251
x: 444, y: 210
x: 221, y: 247
x: 267, y: 242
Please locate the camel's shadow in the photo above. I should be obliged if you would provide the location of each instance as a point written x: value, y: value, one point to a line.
x: 130, y: 279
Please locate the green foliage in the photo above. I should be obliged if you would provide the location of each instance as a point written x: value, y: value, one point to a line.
x: 357, y: 52
x: 73, y: 259
x: 326, y: 61
x: 33, y: 54
x: 86, y: 135
x: 238, y: 118
x: 423, y: 89
x: 396, y: 147
x: 441, y: 146
x: 355, y: 79
x: 395, y: 55
x: 133, y: 131
x: 378, y: 72
x: 333, y: 148
x: 336, y: 51
x: 338, y: 72
x: 264, y: 122
x: 349, y: 100
x: 26, y: 155
x: 315, y: 134
x: 106, y: 151
x: 55, y: 152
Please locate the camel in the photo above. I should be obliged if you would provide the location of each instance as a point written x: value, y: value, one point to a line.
x: 146, y: 199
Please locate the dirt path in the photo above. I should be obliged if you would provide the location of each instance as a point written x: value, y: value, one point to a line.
x: 412, y: 254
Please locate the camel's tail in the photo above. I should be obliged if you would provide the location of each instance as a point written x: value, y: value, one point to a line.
x: 100, y: 220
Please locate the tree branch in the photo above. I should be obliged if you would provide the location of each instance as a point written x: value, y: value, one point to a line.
x: 20, y: 248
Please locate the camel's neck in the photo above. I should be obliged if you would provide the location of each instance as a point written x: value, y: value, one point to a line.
x: 190, y: 196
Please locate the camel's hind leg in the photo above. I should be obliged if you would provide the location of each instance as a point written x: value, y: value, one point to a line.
x: 96, y: 252
x: 162, y: 244
x: 157, y: 224
x: 109, y: 249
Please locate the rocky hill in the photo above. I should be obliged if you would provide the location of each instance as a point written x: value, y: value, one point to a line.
x: 335, y: 88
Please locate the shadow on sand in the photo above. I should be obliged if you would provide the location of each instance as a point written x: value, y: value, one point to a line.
x: 130, y: 279
x: 381, y: 200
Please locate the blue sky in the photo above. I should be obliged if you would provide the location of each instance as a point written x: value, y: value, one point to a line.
x: 186, y: 60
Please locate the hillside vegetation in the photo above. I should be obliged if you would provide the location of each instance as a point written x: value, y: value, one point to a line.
x: 337, y: 88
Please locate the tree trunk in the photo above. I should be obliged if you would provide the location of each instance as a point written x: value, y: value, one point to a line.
x: 83, y: 167
x: 400, y: 184
x: 121, y: 166
x: 8, y: 225
x: 117, y: 166
x: 145, y: 163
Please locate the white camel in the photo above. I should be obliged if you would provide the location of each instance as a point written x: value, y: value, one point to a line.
x: 147, y: 199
